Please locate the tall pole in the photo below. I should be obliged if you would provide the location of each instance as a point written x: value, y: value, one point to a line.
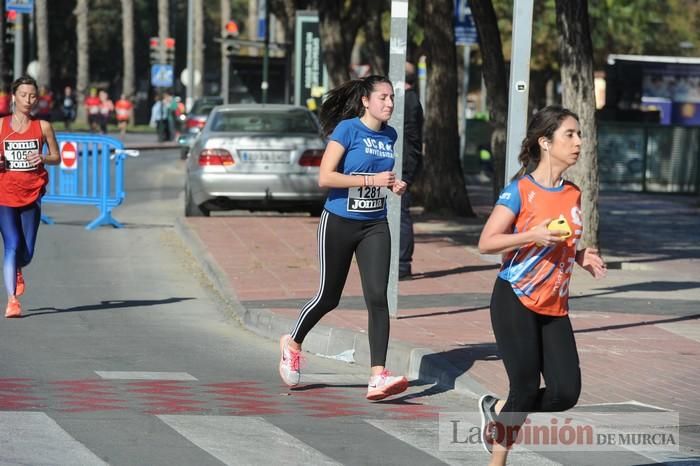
x: 397, y: 75
x: 19, y: 45
x: 190, y: 57
x: 519, y: 83
x: 225, y: 62
x: 266, y: 54
x: 466, y: 52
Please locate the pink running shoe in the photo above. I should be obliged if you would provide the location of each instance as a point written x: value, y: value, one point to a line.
x: 290, y: 362
x: 14, y: 308
x: 19, y: 287
x: 383, y: 385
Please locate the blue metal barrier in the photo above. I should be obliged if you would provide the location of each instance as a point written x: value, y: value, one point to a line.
x: 90, y: 174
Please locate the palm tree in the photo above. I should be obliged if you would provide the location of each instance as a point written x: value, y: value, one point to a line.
x: 83, y: 55
x: 128, y: 87
x: 163, y: 27
x: 42, y: 43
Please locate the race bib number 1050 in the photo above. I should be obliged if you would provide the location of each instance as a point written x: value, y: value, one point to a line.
x: 16, y: 154
x: 366, y: 198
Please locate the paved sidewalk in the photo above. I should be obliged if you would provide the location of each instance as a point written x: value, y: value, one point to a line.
x: 638, y: 331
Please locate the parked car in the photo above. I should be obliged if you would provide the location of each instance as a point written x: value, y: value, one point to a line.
x: 253, y: 156
x: 195, y: 120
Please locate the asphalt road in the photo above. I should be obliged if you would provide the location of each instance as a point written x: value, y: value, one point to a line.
x: 127, y: 356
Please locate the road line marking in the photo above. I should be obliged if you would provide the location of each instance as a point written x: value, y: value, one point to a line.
x: 245, y: 440
x: 35, y: 438
x: 135, y: 375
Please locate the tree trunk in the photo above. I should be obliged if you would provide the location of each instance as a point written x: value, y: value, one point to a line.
x: 198, y: 51
x: 338, y: 26
x: 495, y: 78
x: 375, y: 46
x: 128, y: 85
x: 443, y: 184
x: 163, y: 28
x: 42, y: 43
x: 576, y: 55
x: 83, y: 56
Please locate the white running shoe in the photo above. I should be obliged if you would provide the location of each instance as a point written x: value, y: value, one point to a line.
x: 383, y: 385
x: 290, y: 362
x: 489, y: 430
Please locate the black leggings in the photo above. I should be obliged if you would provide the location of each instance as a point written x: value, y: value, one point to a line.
x: 531, y: 344
x: 338, y: 239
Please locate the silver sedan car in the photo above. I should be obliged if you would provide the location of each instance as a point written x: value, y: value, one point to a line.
x: 256, y: 156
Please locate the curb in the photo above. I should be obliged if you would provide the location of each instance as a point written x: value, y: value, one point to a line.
x: 423, y: 364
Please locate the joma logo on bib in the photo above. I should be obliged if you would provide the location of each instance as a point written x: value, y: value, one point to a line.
x: 16, y: 153
x: 366, y: 205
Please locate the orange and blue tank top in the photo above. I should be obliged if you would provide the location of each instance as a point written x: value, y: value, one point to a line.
x: 21, y: 183
x: 540, y: 275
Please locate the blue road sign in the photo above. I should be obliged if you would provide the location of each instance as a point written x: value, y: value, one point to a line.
x: 162, y: 75
x: 465, y: 29
x: 20, y: 6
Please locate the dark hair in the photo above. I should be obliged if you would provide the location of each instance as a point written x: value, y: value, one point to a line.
x: 24, y: 79
x: 411, y: 76
x: 543, y: 124
x: 345, y: 101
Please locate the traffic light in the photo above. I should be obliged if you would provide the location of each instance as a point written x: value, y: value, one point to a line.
x: 154, y: 45
x: 230, y: 34
x: 10, y: 27
x: 170, y: 50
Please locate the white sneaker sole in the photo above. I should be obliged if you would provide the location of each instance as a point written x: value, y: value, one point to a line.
x: 388, y: 390
x: 484, y: 443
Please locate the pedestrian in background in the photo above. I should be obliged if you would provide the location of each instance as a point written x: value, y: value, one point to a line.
x: 106, y: 109
x: 5, y: 102
x: 44, y: 104
x: 529, y: 304
x: 92, y: 108
x: 68, y: 109
x: 22, y: 184
x: 159, y: 118
x: 123, y: 109
x: 357, y: 167
x: 412, y: 163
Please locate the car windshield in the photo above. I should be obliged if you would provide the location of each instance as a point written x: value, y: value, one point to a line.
x: 203, y: 107
x: 266, y: 122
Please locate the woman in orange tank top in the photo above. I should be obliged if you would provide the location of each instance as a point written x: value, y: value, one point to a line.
x: 22, y: 183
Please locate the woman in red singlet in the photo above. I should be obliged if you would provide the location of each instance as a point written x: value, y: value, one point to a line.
x: 22, y: 183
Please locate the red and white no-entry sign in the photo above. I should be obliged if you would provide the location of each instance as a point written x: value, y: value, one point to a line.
x: 69, y: 155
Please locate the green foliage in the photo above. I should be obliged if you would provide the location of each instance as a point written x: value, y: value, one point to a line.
x: 646, y: 27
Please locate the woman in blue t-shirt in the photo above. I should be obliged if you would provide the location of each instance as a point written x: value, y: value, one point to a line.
x: 357, y: 168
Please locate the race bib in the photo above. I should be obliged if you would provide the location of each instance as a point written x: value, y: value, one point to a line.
x: 16, y: 153
x: 366, y: 198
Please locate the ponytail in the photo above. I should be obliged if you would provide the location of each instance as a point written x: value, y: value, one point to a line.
x: 345, y: 101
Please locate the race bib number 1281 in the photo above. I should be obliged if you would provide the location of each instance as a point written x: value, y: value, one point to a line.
x: 366, y: 198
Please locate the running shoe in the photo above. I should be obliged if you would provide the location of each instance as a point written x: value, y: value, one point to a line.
x: 14, y: 308
x: 487, y: 406
x: 19, y: 287
x: 383, y: 385
x: 290, y: 362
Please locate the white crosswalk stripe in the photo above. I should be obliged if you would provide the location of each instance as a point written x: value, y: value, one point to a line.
x: 34, y: 438
x: 136, y: 375
x: 238, y: 440
x: 423, y: 435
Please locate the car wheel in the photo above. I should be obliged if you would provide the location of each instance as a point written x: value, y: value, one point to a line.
x: 192, y: 209
x: 183, y: 154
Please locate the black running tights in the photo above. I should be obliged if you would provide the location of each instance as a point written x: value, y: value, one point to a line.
x: 338, y: 239
x: 531, y: 344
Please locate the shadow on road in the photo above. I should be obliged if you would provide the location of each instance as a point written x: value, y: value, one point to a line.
x: 105, y: 305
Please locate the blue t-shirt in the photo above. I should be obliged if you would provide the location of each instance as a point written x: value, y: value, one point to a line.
x: 367, y: 152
